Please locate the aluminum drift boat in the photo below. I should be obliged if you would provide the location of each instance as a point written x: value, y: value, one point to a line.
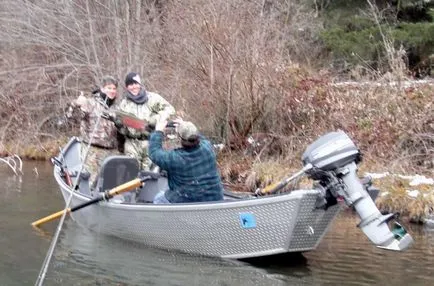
x: 238, y: 227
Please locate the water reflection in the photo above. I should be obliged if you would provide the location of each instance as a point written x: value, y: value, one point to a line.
x: 22, y: 199
x: 12, y: 184
x: 85, y: 257
x: 344, y: 257
x: 346, y: 253
x: 288, y: 267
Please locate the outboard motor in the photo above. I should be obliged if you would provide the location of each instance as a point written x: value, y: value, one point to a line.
x: 332, y: 160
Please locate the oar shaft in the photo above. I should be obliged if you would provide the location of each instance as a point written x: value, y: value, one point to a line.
x: 131, y: 185
x: 280, y: 185
x: 128, y: 186
x: 50, y: 217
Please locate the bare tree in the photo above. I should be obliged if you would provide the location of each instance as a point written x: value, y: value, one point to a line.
x: 52, y: 50
x: 234, y: 67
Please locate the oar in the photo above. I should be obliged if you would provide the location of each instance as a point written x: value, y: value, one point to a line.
x: 128, y: 186
x: 273, y: 188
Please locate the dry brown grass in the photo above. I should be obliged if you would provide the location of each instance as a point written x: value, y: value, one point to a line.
x: 243, y: 173
x: 396, y: 199
x: 40, y: 151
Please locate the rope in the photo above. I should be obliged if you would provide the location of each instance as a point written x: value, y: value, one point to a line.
x: 46, y: 263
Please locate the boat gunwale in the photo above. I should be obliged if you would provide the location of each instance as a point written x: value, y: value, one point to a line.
x: 296, y: 194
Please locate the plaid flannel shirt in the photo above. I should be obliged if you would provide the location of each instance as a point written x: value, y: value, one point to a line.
x: 192, y: 173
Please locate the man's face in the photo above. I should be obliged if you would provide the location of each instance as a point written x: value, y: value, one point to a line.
x: 110, y: 90
x: 134, y: 88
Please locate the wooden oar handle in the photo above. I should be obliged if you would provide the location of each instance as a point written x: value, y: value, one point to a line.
x: 280, y: 185
x: 269, y: 188
x: 128, y: 186
x: 50, y: 217
x: 273, y: 188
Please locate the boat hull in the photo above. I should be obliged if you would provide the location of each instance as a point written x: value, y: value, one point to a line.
x: 281, y: 224
x: 235, y: 228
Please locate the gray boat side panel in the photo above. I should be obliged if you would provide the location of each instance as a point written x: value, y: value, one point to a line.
x: 215, y: 232
x: 71, y: 154
x: 71, y: 158
x: 312, y: 224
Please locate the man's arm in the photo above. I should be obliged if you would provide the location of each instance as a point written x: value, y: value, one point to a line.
x: 157, y: 154
x: 161, y: 106
x: 206, y: 143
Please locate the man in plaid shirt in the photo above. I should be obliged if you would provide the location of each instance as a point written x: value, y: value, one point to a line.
x: 192, y: 169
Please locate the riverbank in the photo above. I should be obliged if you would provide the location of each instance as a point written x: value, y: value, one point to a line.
x: 40, y: 150
x: 408, y: 193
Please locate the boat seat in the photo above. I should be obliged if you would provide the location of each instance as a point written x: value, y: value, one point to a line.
x: 114, y: 171
x: 156, y: 182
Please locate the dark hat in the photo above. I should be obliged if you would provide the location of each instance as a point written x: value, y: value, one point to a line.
x: 132, y: 78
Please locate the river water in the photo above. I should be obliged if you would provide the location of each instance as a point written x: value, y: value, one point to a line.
x: 84, y: 257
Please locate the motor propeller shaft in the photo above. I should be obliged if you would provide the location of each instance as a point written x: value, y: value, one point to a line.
x: 373, y: 224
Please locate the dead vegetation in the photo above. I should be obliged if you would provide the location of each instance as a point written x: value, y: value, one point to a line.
x: 396, y: 198
x: 240, y: 69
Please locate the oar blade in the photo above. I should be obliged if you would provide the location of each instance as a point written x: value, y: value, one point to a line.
x: 50, y: 217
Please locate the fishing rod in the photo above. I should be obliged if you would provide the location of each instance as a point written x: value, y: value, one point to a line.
x: 46, y: 263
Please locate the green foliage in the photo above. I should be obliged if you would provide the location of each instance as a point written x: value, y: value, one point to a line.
x: 354, y: 45
x: 357, y: 23
x: 367, y: 44
x: 416, y: 35
x: 354, y: 37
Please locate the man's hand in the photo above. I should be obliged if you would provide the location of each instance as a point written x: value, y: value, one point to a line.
x: 118, y: 123
x: 81, y: 100
x: 177, y: 121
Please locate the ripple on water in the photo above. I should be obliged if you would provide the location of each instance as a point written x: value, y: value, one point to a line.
x: 83, y: 257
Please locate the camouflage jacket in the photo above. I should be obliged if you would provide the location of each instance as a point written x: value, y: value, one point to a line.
x: 105, y: 134
x: 156, y: 105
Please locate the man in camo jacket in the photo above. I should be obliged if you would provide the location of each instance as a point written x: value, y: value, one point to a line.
x: 144, y: 105
x: 102, y: 137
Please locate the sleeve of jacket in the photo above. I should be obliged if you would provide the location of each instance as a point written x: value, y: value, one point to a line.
x: 122, y: 105
x: 206, y: 143
x: 157, y: 154
x: 160, y: 106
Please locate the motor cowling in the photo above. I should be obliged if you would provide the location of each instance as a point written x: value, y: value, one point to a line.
x: 334, y: 158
